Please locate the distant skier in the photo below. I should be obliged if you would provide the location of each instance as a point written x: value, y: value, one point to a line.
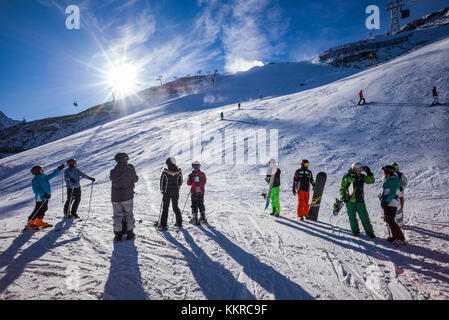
x: 435, y: 96
x: 221, y: 116
x: 356, y: 203
x: 170, y: 183
x: 72, y: 177
x: 404, y: 184
x: 239, y: 105
x: 123, y: 178
x: 390, y: 203
x: 197, y: 180
x: 362, y: 99
x: 274, y: 197
x: 42, y: 191
x: 302, y: 180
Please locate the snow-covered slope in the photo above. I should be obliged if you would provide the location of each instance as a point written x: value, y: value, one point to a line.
x: 247, y: 254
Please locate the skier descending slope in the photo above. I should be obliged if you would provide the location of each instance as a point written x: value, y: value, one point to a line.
x: 302, y: 180
x: 123, y: 178
x: 42, y: 191
x: 400, y: 212
x: 72, y: 177
x: 275, y: 188
x: 171, y: 181
x: 435, y: 96
x: 390, y: 203
x: 356, y: 203
x: 197, y: 180
x: 362, y: 99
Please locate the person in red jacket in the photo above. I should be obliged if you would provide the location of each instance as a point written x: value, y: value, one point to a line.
x: 362, y: 98
x: 197, y: 180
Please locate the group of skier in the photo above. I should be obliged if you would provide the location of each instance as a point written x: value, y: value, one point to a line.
x: 123, y: 178
x: 435, y: 101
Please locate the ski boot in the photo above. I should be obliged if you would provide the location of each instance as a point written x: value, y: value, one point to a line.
x: 399, y: 243
x: 130, y: 235
x: 74, y: 216
x: 391, y: 239
x: 371, y: 235
x: 356, y: 234
x: 202, y: 220
x: 41, y: 224
x: 31, y: 226
x: 118, y: 236
x: 178, y: 224
x: 194, y: 220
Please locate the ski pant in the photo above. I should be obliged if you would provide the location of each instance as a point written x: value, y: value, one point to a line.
x: 73, y: 200
x: 123, y: 211
x: 303, y: 203
x: 435, y: 100
x: 390, y: 214
x: 274, y: 198
x: 360, y: 102
x: 167, y: 197
x: 198, y: 205
x: 359, y: 207
x: 39, y: 210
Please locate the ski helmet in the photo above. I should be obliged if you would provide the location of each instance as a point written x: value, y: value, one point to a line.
x: 356, y: 166
x: 305, y: 163
x: 196, y: 164
x: 121, y: 157
x: 36, y: 170
x: 170, y: 161
x: 272, y: 163
x: 396, y: 166
x: 70, y: 162
x: 389, y: 170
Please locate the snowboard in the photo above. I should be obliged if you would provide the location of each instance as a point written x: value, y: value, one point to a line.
x: 270, y: 187
x: 400, y: 217
x: 317, y: 196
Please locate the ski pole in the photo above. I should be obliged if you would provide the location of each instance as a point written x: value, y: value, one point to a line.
x: 160, y: 211
x: 62, y: 188
x: 185, y: 203
x: 35, y: 214
x: 88, y: 210
x: 69, y: 207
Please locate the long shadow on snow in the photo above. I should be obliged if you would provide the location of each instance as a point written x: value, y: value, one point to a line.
x: 34, y: 252
x: 266, y: 276
x: 7, y: 256
x: 429, y: 269
x: 216, y: 282
x: 124, y: 280
x: 429, y: 233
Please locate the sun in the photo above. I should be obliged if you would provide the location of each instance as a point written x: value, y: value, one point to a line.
x: 122, y: 79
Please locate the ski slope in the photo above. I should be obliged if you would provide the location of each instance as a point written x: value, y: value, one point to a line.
x: 246, y: 254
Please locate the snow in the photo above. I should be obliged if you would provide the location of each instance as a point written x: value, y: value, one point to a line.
x: 246, y: 254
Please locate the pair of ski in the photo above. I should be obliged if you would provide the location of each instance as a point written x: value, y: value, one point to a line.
x: 158, y: 226
x: 51, y: 226
x: 318, y: 190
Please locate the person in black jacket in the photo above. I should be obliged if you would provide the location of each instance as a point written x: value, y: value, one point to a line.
x: 123, y: 178
x: 171, y: 181
x: 301, y: 185
x: 274, y: 197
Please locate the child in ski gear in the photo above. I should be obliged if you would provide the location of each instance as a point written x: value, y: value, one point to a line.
x: 123, y: 178
x: 362, y: 99
x: 72, y: 177
x: 302, y: 180
x: 390, y: 203
x: 171, y: 181
x: 356, y: 202
x: 403, y: 185
x: 435, y: 96
x: 274, y: 197
x: 197, y: 181
x: 42, y: 191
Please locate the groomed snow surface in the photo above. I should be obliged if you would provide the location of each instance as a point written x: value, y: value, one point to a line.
x: 245, y: 253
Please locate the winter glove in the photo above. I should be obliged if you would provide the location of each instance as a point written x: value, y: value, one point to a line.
x: 368, y: 171
x: 92, y: 179
x: 267, y: 179
x: 61, y: 167
x: 47, y: 196
x: 294, y: 191
x: 72, y: 180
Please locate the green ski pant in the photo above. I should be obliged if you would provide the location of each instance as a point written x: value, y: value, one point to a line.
x: 275, y: 204
x: 360, y: 208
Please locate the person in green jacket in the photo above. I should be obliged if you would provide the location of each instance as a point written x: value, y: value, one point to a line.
x: 356, y: 201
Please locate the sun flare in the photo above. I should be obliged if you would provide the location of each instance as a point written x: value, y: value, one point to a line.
x: 122, y: 80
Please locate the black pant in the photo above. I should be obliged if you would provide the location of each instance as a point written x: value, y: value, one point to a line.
x: 166, y: 204
x: 39, y: 210
x: 198, y: 204
x: 362, y: 99
x: 390, y: 214
x: 75, y: 197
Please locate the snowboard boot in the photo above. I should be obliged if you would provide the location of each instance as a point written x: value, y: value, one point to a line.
x: 371, y: 235
x: 130, y: 235
x: 273, y: 212
x: 118, y: 236
x: 203, y: 218
x: 302, y: 218
x: 356, y: 234
x: 391, y: 239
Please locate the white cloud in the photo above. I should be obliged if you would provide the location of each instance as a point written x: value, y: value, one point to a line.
x: 240, y: 64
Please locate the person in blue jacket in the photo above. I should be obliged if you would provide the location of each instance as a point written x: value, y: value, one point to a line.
x: 42, y: 191
x: 72, y: 177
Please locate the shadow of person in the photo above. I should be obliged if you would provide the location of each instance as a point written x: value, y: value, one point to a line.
x: 266, y: 276
x: 35, y: 251
x: 7, y: 256
x: 124, y: 280
x: 216, y: 282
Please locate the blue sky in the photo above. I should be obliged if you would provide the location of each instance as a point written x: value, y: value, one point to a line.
x: 45, y: 67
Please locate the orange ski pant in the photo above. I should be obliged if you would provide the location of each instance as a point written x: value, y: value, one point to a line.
x: 303, y: 203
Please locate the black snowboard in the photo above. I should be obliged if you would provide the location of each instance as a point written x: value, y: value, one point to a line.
x: 317, y: 194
